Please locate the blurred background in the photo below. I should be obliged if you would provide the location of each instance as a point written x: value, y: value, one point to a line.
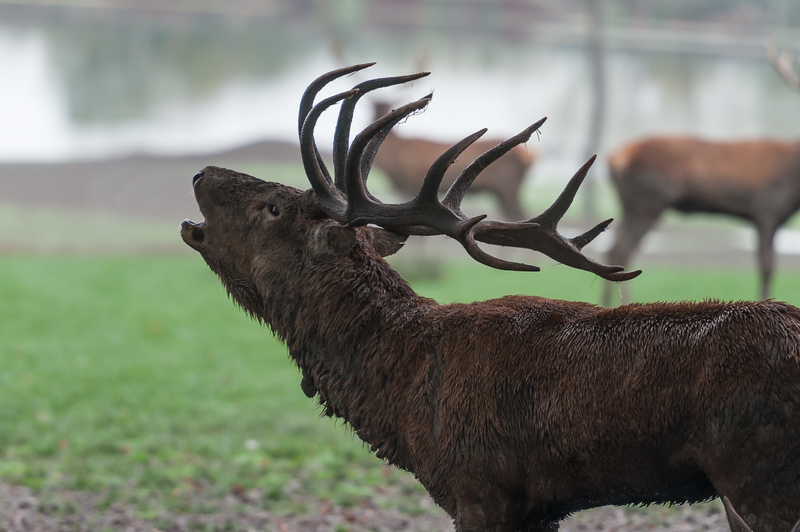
x: 133, y: 393
x: 109, y: 106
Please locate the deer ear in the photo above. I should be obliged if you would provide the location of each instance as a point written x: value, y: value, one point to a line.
x: 331, y: 239
x: 383, y: 241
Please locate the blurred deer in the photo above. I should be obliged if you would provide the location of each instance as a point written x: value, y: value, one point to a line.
x: 758, y: 181
x: 519, y: 411
x: 405, y: 161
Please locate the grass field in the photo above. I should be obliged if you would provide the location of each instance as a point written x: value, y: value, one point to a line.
x: 138, y: 378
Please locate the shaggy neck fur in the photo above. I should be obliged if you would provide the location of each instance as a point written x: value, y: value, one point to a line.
x: 353, y: 326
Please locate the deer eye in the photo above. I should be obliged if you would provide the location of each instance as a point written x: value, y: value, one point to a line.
x: 271, y: 207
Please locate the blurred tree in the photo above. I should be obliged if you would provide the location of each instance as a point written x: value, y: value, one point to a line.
x: 596, y: 60
x: 119, y: 65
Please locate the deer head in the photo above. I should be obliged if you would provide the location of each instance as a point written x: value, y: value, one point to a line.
x: 254, y: 228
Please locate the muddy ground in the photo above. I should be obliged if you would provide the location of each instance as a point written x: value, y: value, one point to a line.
x: 22, y: 511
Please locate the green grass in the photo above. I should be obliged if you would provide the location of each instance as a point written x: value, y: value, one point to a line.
x: 468, y: 282
x: 137, y: 377
x: 58, y: 230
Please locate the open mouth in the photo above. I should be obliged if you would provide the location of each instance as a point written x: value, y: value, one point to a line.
x: 192, y: 232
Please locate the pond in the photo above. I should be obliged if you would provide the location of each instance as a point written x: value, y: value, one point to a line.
x: 96, y: 83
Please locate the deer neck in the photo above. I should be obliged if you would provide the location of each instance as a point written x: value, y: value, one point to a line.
x: 352, y: 328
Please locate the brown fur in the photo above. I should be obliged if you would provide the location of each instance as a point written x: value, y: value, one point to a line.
x: 515, y: 412
x: 405, y: 161
x: 758, y: 181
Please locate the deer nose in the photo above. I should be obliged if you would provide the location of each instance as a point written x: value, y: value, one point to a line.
x: 197, y: 177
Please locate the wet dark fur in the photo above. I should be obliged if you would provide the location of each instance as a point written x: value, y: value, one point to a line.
x: 518, y: 411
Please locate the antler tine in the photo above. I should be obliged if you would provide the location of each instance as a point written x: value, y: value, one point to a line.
x: 330, y: 199
x: 551, y: 243
x: 312, y: 160
x: 581, y: 240
x: 559, y: 207
x: 369, y: 152
x: 426, y: 210
x: 307, y: 100
x: 545, y: 238
x: 455, y: 194
x: 784, y: 64
x: 349, y: 201
x: 474, y: 251
x: 468, y: 242
x: 433, y: 179
x: 342, y: 134
x: 358, y: 202
x: 549, y: 220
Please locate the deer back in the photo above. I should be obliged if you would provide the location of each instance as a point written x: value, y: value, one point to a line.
x: 406, y: 160
x: 691, y: 174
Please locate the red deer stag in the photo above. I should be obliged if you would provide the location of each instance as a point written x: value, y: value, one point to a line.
x: 757, y: 180
x: 405, y: 161
x: 515, y: 412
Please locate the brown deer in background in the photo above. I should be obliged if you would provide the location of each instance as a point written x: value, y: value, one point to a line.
x: 757, y: 180
x: 514, y: 412
x: 406, y: 160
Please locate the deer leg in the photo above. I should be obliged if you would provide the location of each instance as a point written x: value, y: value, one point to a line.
x: 484, y: 516
x: 474, y: 519
x: 763, y: 487
x: 628, y: 237
x: 766, y: 254
x: 483, y: 507
x: 510, y: 204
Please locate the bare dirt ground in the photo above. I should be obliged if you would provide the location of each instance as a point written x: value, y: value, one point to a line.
x: 141, y: 185
x: 22, y: 511
x: 159, y: 188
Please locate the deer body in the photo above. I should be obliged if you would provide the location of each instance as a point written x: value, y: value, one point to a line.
x: 758, y: 181
x: 543, y: 408
x: 514, y: 412
x: 405, y: 161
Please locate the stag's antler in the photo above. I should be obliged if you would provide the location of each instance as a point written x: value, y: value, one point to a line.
x: 345, y: 198
x: 786, y: 63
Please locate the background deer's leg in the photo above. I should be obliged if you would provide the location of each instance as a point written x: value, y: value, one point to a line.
x: 635, y: 224
x: 766, y: 253
x: 510, y: 204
